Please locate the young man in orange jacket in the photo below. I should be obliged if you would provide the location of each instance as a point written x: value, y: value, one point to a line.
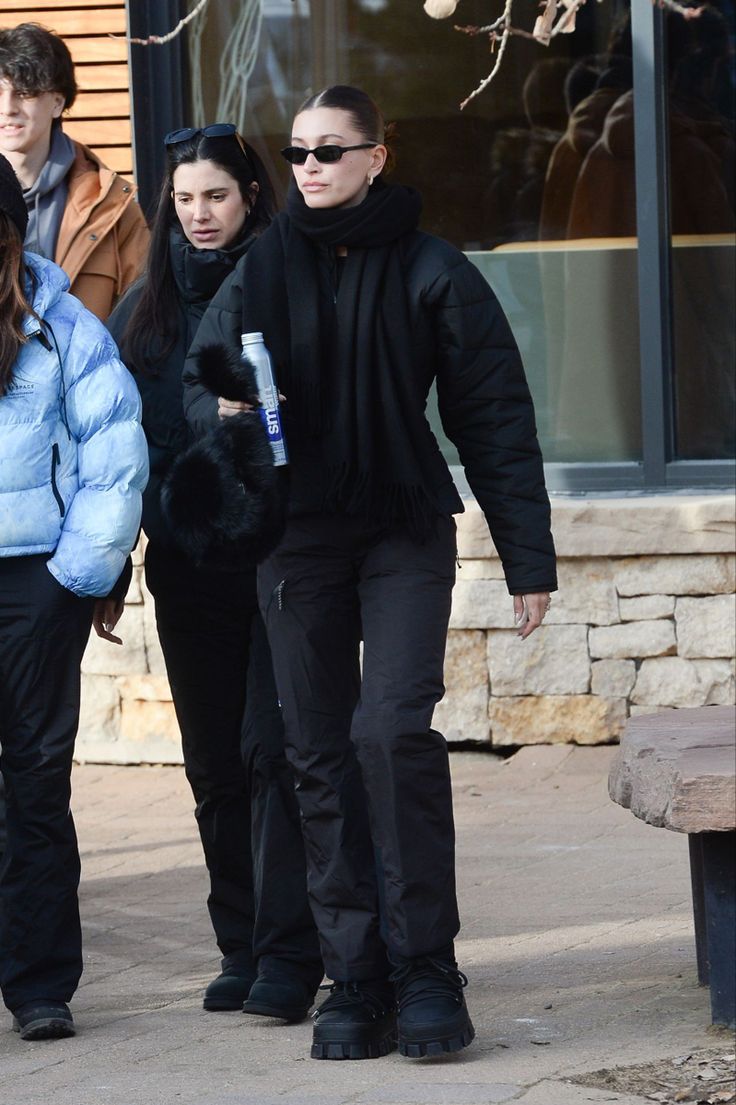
x: 81, y: 214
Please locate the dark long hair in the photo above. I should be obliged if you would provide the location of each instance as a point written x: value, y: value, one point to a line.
x: 152, y: 329
x: 364, y: 112
x: 14, y: 305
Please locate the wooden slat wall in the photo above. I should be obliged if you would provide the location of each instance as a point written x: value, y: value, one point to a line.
x: 100, y: 117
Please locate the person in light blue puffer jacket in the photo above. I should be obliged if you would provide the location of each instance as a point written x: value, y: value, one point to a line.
x: 73, y: 465
x: 72, y: 453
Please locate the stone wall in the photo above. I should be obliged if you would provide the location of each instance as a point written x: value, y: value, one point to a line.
x: 643, y: 620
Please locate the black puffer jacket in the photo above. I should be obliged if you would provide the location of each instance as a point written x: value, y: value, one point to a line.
x: 463, y: 341
x: 198, y: 275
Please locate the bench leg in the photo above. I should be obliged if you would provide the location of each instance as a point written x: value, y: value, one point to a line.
x: 719, y: 897
x: 695, y: 841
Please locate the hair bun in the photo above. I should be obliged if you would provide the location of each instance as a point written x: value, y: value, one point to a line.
x: 390, y: 138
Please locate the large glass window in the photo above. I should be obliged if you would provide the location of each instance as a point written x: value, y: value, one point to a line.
x: 700, y: 64
x: 535, y: 180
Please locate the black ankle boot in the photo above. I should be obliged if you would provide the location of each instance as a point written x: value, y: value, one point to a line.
x: 432, y: 1016
x: 357, y: 1021
x: 230, y: 989
x: 281, y: 993
x: 43, y: 1020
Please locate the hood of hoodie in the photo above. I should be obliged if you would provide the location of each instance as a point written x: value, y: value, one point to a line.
x: 45, y: 285
x: 587, y: 120
x: 685, y: 127
x: 47, y: 197
x: 618, y: 130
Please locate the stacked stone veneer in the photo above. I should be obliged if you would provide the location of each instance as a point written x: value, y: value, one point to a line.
x: 643, y: 620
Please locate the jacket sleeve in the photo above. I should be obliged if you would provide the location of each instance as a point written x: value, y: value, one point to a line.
x: 133, y: 242
x: 220, y: 325
x: 116, y: 323
x: 102, y: 411
x: 121, y: 586
x: 487, y: 411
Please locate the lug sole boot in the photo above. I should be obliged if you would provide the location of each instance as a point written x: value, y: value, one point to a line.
x: 433, y: 1018
x: 357, y: 1021
x: 43, y: 1020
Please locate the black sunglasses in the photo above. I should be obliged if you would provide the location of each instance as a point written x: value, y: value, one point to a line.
x: 185, y: 134
x: 214, y: 130
x: 297, y: 155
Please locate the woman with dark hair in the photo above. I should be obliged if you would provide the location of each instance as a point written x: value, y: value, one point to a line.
x: 215, y: 200
x: 361, y: 312
x: 73, y: 464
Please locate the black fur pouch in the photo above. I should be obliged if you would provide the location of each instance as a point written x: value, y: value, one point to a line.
x: 223, y: 499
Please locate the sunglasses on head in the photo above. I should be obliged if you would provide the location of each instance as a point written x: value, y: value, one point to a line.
x: 185, y: 134
x: 297, y: 155
x: 214, y: 130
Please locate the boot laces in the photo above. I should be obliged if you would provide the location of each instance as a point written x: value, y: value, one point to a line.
x: 346, y: 994
x: 426, y: 977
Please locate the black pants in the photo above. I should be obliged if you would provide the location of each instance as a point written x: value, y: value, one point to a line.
x: 43, y: 633
x: 219, y: 669
x: 2, y: 817
x: 373, y: 778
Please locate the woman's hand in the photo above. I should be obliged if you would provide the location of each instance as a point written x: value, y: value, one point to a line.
x: 529, y: 611
x: 228, y: 407
x: 107, y: 614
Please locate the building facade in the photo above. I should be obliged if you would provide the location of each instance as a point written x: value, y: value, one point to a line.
x: 592, y: 183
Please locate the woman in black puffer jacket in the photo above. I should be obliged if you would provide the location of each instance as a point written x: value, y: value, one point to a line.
x: 215, y: 200
x: 361, y: 312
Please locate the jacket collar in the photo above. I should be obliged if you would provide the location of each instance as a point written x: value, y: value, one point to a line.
x: 44, y: 289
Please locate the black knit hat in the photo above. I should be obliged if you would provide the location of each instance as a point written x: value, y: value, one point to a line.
x: 11, y: 197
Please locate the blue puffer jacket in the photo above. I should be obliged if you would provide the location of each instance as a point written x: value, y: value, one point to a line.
x: 73, y: 457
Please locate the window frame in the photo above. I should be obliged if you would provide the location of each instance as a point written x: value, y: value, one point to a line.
x: 158, y: 91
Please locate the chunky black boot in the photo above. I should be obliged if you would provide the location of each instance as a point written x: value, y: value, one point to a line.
x: 43, y: 1020
x: 280, y: 993
x: 432, y: 1015
x: 357, y: 1021
x: 230, y: 989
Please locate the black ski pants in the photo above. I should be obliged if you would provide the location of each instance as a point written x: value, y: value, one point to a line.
x: 43, y: 633
x: 219, y: 667
x: 373, y: 779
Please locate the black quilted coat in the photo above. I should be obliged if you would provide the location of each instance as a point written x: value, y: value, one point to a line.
x: 463, y: 340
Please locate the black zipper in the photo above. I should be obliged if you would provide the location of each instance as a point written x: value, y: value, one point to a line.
x: 55, y: 458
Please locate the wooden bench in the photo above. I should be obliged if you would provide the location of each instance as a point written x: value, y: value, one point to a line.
x: 677, y: 770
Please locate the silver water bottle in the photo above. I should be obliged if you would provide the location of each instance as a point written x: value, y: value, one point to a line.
x: 255, y: 353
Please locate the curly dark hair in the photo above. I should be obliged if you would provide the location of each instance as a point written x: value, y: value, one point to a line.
x: 36, y: 60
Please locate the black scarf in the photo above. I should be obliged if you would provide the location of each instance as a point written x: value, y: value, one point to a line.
x: 200, y: 272
x: 345, y: 362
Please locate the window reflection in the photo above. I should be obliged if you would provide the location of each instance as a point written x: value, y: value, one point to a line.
x: 703, y: 254
x: 535, y: 180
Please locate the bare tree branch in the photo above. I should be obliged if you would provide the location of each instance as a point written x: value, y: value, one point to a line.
x: 505, y: 35
x: 548, y: 25
x: 683, y: 9
x: 159, y: 40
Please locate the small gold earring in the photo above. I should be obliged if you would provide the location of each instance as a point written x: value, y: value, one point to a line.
x: 370, y: 179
